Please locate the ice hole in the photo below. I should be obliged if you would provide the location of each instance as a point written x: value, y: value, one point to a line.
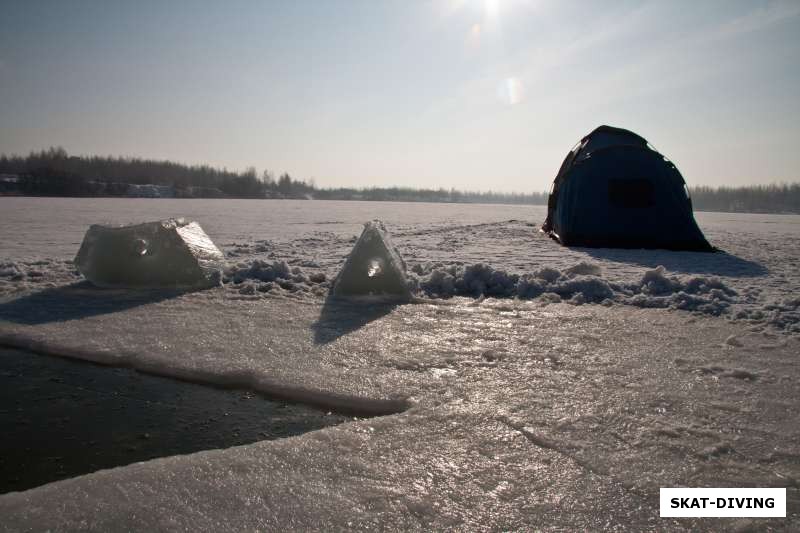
x: 375, y: 267
x: 140, y: 247
x: 65, y: 418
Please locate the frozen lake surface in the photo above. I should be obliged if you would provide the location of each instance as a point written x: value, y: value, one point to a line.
x: 543, y: 387
x: 32, y: 225
x: 758, y: 275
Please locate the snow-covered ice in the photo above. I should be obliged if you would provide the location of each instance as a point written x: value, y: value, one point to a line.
x: 173, y: 253
x: 529, y: 386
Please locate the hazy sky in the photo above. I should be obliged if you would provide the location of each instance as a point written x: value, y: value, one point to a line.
x: 470, y: 94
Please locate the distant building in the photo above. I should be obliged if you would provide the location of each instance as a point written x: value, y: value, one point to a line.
x: 150, y: 191
x: 9, y: 183
x: 200, y: 192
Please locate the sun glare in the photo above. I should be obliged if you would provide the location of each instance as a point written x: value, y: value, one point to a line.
x: 510, y: 91
x: 492, y: 7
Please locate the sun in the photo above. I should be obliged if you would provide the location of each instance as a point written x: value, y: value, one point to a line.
x: 492, y: 7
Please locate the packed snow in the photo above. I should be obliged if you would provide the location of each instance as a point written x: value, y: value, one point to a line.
x: 527, y: 385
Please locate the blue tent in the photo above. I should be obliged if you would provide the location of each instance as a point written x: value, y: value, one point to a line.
x: 614, y: 190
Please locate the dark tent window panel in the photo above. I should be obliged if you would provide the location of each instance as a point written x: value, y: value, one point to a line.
x: 631, y: 193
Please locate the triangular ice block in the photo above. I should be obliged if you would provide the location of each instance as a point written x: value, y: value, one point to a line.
x: 373, y: 267
x: 169, y: 254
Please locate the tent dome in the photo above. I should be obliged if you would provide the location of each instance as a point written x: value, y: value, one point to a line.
x: 615, y: 190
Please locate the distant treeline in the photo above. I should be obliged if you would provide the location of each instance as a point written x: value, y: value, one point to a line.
x: 53, y: 172
x: 753, y: 199
x: 407, y: 194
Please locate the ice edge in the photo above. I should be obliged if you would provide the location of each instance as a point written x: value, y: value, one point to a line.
x: 341, y: 403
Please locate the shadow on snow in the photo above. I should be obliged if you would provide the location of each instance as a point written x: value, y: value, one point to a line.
x: 714, y: 264
x: 340, y: 316
x: 75, y: 301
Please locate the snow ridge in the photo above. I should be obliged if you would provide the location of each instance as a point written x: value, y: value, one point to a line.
x: 581, y: 283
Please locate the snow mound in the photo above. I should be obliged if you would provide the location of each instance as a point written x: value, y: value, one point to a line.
x: 167, y: 254
x: 262, y: 270
x: 584, y: 269
x: 475, y: 280
x: 483, y: 280
x: 783, y: 314
x: 261, y: 276
x: 706, y: 295
x: 11, y: 270
x: 374, y: 267
x: 580, y: 284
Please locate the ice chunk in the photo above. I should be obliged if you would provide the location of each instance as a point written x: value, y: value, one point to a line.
x: 373, y: 266
x: 168, y: 254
